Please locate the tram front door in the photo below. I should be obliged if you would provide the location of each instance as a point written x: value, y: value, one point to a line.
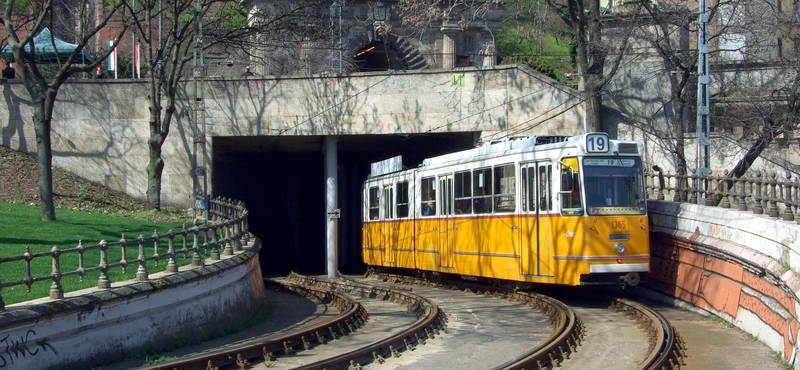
x: 535, y: 241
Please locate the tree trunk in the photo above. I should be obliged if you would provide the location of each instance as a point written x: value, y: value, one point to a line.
x: 155, y: 168
x: 748, y: 158
x: 155, y: 165
x: 44, y: 154
x: 594, y: 105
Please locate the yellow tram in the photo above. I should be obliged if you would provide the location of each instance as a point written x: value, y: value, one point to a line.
x: 534, y: 209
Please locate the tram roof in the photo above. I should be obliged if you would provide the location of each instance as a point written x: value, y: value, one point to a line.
x: 504, y: 146
x: 494, y: 148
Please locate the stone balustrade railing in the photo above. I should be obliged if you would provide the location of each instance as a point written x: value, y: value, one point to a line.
x: 759, y: 193
x: 228, y: 230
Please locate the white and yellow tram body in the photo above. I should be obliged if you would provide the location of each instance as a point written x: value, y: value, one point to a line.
x: 558, y: 210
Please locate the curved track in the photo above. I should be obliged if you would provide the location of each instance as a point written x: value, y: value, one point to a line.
x: 665, y: 348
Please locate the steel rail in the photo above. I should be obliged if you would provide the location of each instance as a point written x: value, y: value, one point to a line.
x: 430, y: 320
x: 666, y: 348
x: 567, y: 327
x: 352, y: 315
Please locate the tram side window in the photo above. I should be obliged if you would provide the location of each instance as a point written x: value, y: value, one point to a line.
x: 504, y: 189
x: 402, y: 199
x: 462, y: 191
x: 374, y: 204
x: 482, y: 190
x: 428, y: 188
x: 570, y: 198
x: 544, y: 188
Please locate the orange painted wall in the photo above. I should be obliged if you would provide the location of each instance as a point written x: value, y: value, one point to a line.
x: 680, y: 269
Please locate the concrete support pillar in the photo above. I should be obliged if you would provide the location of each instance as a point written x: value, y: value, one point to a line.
x: 449, y: 33
x: 331, y: 205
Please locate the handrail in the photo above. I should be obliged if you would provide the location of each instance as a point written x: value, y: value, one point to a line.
x: 758, y: 193
x: 228, y: 229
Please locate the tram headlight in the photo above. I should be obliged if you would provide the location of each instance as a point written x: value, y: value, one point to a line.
x: 620, y: 248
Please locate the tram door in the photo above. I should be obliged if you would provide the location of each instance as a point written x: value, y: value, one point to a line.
x: 446, y: 221
x: 535, y: 245
x: 390, y: 224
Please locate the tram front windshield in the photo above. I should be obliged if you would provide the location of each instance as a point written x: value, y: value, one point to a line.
x: 614, y: 186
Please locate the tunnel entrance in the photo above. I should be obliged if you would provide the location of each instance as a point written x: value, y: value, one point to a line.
x: 281, y: 180
x: 378, y: 56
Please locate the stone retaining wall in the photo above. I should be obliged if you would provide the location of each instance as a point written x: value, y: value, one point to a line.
x: 736, y: 265
x: 88, y: 329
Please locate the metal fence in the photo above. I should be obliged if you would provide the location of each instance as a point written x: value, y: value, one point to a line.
x: 227, y: 230
x: 760, y: 193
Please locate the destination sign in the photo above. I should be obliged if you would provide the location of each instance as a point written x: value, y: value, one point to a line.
x: 609, y: 162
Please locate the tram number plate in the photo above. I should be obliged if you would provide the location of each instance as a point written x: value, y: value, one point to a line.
x: 597, y: 143
x: 619, y: 224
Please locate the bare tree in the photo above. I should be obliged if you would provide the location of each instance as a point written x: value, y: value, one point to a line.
x: 228, y: 28
x: 22, y: 25
x: 659, y: 41
x: 420, y: 15
x: 757, y: 77
x: 585, y: 21
x: 754, y: 78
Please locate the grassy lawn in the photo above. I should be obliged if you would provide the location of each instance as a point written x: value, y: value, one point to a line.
x: 20, y: 227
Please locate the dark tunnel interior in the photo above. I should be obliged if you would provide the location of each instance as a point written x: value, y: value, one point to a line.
x: 282, y: 181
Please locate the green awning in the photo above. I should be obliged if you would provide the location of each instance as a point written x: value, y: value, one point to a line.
x: 50, y: 51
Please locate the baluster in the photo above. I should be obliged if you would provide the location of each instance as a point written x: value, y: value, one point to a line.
x: 81, y: 269
x: 693, y: 188
x: 28, y: 278
x: 788, y: 214
x: 123, y: 261
x: 184, y: 233
x: 103, y: 282
x: 141, y: 272
x: 675, y: 191
x: 226, y: 209
x: 215, y: 244
x: 171, y: 265
x: 156, y: 256
x: 711, y: 189
x: 228, y: 251
x: 246, y: 225
x: 796, y: 201
x: 205, y: 238
x: 773, y: 198
x: 742, y: 201
x: 196, y: 260
x: 237, y: 241
x: 796, y: 187
x: 758, y: 208
x: 243, y: 225
x: 56, y: 291
x: 725, y: 203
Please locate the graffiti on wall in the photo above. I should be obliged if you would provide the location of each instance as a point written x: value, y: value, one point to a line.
x: 24, y: 346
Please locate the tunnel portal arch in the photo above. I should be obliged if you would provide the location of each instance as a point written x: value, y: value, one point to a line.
x: 392, y: 52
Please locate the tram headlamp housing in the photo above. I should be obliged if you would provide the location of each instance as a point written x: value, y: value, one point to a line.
x: 620, y: 248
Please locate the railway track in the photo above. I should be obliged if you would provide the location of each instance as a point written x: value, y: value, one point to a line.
x: 666, y: 348
x: 567, y: 329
